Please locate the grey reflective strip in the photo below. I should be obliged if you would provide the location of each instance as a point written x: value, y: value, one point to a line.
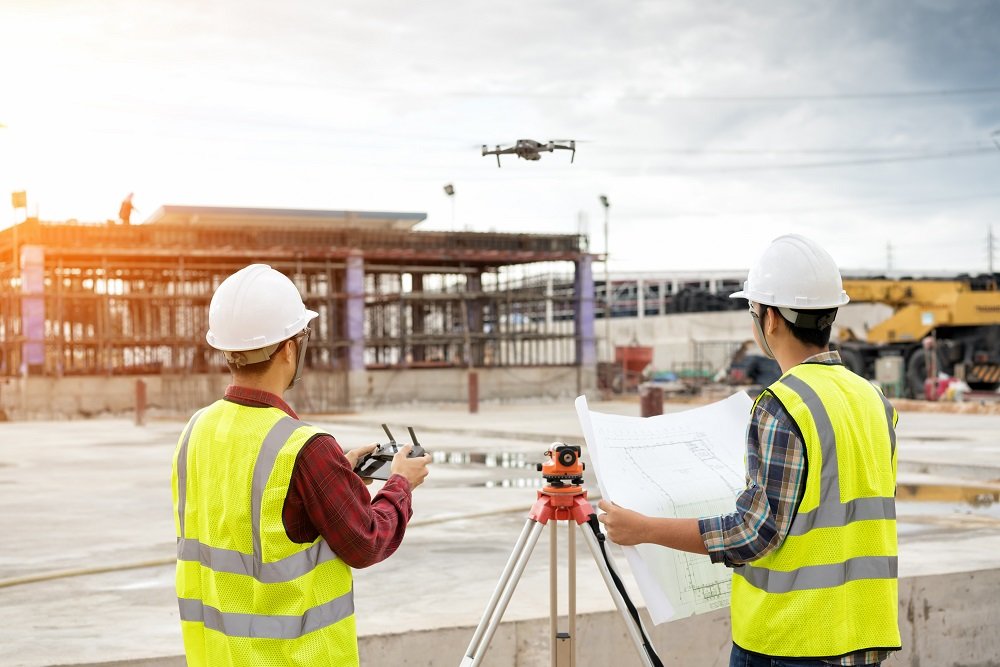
x: 831, y: 515
x: 889, y: 412
x: 829, y: 491
x: 267, y: 626
x: 273, y: 442
x: 820, y: 576
x: 237, y: 562
x: 182, y: 471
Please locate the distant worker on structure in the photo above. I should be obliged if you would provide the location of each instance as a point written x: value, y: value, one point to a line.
x: 812, y: 542
x: 125, y: 210
x: 270, y: 515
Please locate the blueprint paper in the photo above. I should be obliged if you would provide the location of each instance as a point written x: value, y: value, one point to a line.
x: 683, y: 464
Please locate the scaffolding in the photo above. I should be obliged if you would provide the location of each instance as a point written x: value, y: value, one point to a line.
x: 109, y: 299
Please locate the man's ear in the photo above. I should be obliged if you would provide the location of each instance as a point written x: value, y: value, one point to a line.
x: 771, y: 320
x: 288, y: 351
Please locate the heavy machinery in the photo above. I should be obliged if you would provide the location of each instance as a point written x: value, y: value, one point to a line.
x: 939, y: 326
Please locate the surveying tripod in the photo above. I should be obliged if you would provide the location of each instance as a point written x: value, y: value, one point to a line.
x: 562, y: 499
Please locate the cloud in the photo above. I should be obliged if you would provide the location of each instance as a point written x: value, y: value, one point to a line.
x: 712, y: 125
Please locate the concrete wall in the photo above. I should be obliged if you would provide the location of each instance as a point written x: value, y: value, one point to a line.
x: 449, y: 384
x: 89, y: 396
x: 946, y: 620
x: 179, y: 395
x: 674, y: 338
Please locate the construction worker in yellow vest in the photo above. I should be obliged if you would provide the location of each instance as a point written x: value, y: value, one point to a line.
x: 270, y: 515
x: 812, y: 541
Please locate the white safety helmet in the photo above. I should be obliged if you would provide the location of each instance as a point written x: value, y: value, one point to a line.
x: 794, y: 273
x: 255, y: 308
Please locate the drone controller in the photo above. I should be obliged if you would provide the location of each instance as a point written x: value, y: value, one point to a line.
x: 377, y: 464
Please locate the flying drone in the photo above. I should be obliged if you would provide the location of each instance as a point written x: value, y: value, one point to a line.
x: 529, y: 149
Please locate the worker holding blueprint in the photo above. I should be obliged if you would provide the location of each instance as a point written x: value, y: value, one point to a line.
x: 812, y: 541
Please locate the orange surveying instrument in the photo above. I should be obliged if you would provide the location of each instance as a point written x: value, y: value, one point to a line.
x: 562, y: 499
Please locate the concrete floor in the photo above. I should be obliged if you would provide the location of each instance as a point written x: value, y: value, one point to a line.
x: 88, y: 494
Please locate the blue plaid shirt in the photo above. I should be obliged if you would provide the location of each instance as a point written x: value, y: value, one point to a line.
x: 776, y: 480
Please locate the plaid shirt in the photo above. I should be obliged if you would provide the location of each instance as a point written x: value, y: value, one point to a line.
x: 776, y: 479
x: 326, y: 497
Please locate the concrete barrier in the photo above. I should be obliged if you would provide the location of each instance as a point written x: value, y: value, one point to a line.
x: 320, y: 391
x: 946, y: 620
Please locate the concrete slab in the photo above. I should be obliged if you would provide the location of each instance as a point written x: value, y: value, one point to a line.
x: 92, y: 494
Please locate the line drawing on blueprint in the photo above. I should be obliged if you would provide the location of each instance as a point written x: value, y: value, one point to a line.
x: 686, y: 465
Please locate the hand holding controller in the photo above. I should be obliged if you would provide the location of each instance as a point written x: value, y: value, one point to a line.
x: 393, y: 457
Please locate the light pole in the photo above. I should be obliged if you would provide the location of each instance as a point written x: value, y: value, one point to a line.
x: 607, y: 283
x: 449, y: 190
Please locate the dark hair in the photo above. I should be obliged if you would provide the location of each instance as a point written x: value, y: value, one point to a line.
x: 809, y: 336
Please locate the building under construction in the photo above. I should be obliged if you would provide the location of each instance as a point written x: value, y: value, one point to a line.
x: 103, y: 301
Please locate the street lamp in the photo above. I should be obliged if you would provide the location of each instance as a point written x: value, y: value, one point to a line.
x: 607, y: 283
x: 449, y: 190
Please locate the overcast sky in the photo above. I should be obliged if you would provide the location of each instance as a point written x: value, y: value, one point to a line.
x: 711, y: 126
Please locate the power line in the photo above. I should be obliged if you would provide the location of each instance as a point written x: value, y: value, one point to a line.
x: 828, y: 209
x: 657, y: 97
x: 794, y: 166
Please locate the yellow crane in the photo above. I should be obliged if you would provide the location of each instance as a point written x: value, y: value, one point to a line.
x: 960, y: 318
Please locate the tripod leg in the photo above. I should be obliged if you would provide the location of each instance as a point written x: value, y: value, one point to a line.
x: 571, y: 587
x: 502, y: 594
x: 630, y: 623
x: 553, y: 592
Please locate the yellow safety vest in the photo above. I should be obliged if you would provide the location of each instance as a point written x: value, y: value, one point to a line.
x: 830, y: 588
x: 248, y: 595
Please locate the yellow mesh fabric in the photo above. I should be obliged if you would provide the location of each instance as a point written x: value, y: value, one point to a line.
x: 224, y: 447
x: 822, y: 546
x: 859, y: 614
x: 213, y: 649
x: 820, y: 622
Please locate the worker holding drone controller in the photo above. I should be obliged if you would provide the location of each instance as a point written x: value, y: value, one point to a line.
x: 270, y: 513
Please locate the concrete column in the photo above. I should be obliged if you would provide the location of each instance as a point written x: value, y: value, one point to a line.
x: 474, y: 318
x: 417, y: 314
x: 354, y: 324
x: 33, y: 309
x: 663, y: 297
x: 549, y: 293
x: 586, y: 342
x: 640, y: 298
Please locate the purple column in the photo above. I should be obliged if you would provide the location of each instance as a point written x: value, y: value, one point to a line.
x: 32, y: 308
x: 354, y: 283
x: 586, y: 343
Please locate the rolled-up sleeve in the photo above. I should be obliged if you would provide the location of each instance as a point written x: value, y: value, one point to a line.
x: 774, y: 485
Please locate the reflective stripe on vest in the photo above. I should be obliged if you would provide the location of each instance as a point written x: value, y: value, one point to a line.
x: 263, y: 626
x: 838, y: 564
x: 284, y: 571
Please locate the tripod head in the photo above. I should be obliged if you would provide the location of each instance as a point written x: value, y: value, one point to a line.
x: 564, y: 469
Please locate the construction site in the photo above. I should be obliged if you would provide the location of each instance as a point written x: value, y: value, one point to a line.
x: 480, y: 342
x: 106, y: 304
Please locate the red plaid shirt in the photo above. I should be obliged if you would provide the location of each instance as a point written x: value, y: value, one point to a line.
x: 327, y: 498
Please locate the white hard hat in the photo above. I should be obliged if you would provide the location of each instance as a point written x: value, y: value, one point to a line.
x: 795, y: 272
x: 254, y: 308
